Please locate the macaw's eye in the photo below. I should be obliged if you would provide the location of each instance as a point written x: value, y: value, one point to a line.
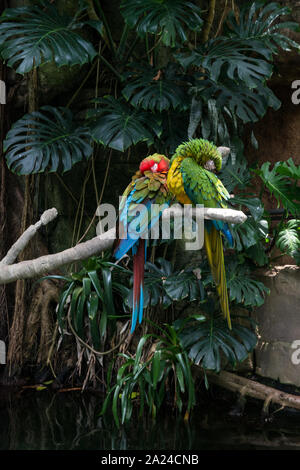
x: 146, y: 165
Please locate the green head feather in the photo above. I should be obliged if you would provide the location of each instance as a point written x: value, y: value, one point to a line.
x: 201, y: 151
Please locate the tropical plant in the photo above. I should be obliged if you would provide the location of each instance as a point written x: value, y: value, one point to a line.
x: 55, y: 142
x: 210, y: 88
x: 221, y: 82
x: 209, y: 342
x: 86, y: 303
x: 146, y: 381
x: 163, y: 285
x: 32, y: 36
x: 288, y: 239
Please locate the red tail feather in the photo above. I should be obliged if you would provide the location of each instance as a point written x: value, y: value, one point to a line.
x: 138, y: 280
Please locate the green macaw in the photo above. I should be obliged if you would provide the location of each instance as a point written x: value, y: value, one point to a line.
x: 140, y: 209
x: 192, y: 181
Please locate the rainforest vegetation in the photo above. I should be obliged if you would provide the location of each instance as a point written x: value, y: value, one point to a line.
x: 93, y: 87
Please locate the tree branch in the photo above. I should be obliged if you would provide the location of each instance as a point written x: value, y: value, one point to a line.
x: 24, y: 239
x: 34, y: 268
x: 244, y: 386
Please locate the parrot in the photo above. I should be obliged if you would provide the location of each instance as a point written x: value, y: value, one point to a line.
x: 148, y: 187
x: 191, y: 179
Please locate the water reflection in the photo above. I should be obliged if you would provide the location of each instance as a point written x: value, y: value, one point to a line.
x: 70, y: 421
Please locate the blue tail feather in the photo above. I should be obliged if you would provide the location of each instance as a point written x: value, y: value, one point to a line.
x: 221, y: 226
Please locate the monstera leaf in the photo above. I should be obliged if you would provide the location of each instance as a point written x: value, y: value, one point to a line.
x: 248, y: 104
x: 280, y: 186
x: 164, y: 285
x: 31, y: 36
x: 288, y: 240
x: 48, y: 139
x: 260, y: 22
x: 207, y: 342
x: 153, y: 89
x: 243, y: 289
x: 171, y: 19
x: 117, y: 125
x: 233, y: 57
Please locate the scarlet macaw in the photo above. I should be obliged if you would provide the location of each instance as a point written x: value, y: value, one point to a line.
x: 148, y: 187
x: 191, y: 180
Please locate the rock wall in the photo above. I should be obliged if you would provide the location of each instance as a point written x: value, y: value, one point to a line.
x: 278, y: 350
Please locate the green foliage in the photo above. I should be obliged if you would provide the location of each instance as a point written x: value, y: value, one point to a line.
x: 87, y: 300
x: 224, y: 78
x: 209, y: 340
x: 286, y: 192
x: 119, y: 126
x: 169, y: 19
x: 46, y: 140
x: 146, y: 380
x: 147, y: 90
x: 260, y: 22
x: 288, y: 240
x: 231, y: 58
x: 242, y: 288
x: 163, y: 285
x: 32, y: 36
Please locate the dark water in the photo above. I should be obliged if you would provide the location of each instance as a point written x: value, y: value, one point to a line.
x: 42, y: 420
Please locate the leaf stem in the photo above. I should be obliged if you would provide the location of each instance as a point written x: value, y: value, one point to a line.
x: 101, y: 15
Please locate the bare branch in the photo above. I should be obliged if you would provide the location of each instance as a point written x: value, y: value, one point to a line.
x: 24, y: 239
x: 45, y: 264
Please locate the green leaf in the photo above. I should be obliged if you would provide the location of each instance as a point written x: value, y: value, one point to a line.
x: 61, y: 305
x: 254, y: 205
x: 92, y: 308
x: 156, y: 366
x: 77, y: 292
x: 288, y: 168
x: 31, y: 36
x: 107, y: 291
x: 231, y: 57
x: 46, y: 140
x: 117, y: 125
x: 288, y: 240
x: 95, y: 281
x: 248, y: 103
x: 208, y: 342
x: 280, y: 187
x: 171, y: 19
x: 145, y: 89
x: 259, y: 22
x: 79, y: 323
x: 243, y: 289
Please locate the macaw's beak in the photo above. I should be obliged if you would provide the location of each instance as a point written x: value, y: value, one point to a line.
x: 210, y: 165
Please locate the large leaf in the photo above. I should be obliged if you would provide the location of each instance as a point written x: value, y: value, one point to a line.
x: 233, y: 57
x: 154, y: 89
x: 243, y: 289
x: 248, y: 104
x: 171, y: 19
x: 208, y: 342
x: 260, y: 22
x: 48, y: 139
x: 31, y: 36
x: 235, y: 175
x: 288, y: 168
x: 163, y: 286
x: 288, y: 240
x: 117, y: 125
x: 280, y: 186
